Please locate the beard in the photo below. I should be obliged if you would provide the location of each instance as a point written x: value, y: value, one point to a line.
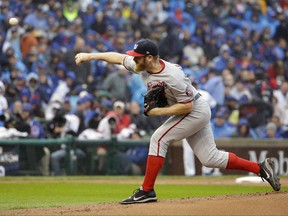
x: 140, y: 67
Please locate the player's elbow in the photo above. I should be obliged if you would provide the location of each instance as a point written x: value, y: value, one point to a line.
x: 183, y: 108
x: 187, y: 107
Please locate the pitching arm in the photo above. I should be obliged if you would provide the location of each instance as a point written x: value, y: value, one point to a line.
x: 110, y: 57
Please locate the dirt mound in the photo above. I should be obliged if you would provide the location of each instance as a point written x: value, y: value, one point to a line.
x: 274, y: 203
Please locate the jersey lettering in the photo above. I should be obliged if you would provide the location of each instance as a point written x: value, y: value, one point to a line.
x: 151, y: 85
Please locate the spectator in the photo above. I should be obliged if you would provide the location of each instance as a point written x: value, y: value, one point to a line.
x: 117, y: 84
x: 27, y: 41
x: 277, y: 74
x: 194, y: 51
x: 199, y: 70
x: 282, y: 28
x: 132, y: 161
x: 9, y: 131
x: 24, y: 95
x: 258, y: 113
x: 220, y: 62
x: 86, y: 104
x: 241, y: 92
x: 271, y: 132
x: 106, y: 127
x: 281, y: 94
x: 280, y: 103
x: 215, y: 87
x: 220, y: 127
x: 3, y: 100
x: 228, y: 78
x: 45, y: 87
x: 17, y: 63
x: 27, y: 115
x: 64, y: 87
x: 70, y: 11
x: 88, y: 16
x: 262, y: 91
x: 243, y: 129
x: 232, y: 110
x: 38, y: 18
x: 99, y: 24
x: 211, y: 48
x: 36, y: 104
x: 174, y: 51
x: 32, y: 82
x: 187, y: 68
x: 137, y: 156
x: 91, y: 133
x: 38, y: 157
x: 13, y: 38
x: 137, y: 90
x: 280, y: 130
x: 32, y: 59
x: 122, y: 119
x: 111, y: 125
x: 81, y: 73
x: 59, y: 74
x: 138, y: 118
x: 62, y: 125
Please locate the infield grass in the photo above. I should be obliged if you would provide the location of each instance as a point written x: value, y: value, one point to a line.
x: 35, y: 192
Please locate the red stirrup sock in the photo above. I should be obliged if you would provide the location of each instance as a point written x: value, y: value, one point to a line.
x: 237, y: 163
x: 153, y: 167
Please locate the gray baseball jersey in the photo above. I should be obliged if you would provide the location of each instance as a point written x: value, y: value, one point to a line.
x: 194, y: 127
x: 178, y: 88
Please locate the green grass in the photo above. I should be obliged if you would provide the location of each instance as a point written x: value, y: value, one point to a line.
x: 32, y: 192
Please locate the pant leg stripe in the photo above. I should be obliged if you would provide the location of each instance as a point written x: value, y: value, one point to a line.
x: 158, y: 148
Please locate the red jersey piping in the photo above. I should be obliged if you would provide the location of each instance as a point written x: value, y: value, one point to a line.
x: 186, y: 102
x: 163, y: 67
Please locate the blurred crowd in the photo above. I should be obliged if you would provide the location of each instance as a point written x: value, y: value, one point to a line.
x: 235, y: 53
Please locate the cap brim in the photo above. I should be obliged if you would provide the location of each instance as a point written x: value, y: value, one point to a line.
x: 133, y: 53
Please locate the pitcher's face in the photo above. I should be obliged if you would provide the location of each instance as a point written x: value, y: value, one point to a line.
x: 142, y: 63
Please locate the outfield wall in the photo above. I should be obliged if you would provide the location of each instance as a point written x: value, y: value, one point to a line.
x: 255, y: 150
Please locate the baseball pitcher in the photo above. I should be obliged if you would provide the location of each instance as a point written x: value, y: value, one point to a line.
x: 189, y: 117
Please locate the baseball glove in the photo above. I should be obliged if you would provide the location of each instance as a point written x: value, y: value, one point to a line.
x: 155, y: 97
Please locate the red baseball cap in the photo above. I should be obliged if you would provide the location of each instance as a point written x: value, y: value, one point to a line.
x: 144, y: 47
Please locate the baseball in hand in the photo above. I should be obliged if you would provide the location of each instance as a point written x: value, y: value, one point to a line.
x: 13, y: 21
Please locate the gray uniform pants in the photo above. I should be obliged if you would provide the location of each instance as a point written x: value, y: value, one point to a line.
x: 196, y: 128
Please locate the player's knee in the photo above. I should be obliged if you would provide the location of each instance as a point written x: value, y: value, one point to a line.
x: 206, y: 162
x: 158, y: 146
x: 154, y: 138
x: 216, y: 159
